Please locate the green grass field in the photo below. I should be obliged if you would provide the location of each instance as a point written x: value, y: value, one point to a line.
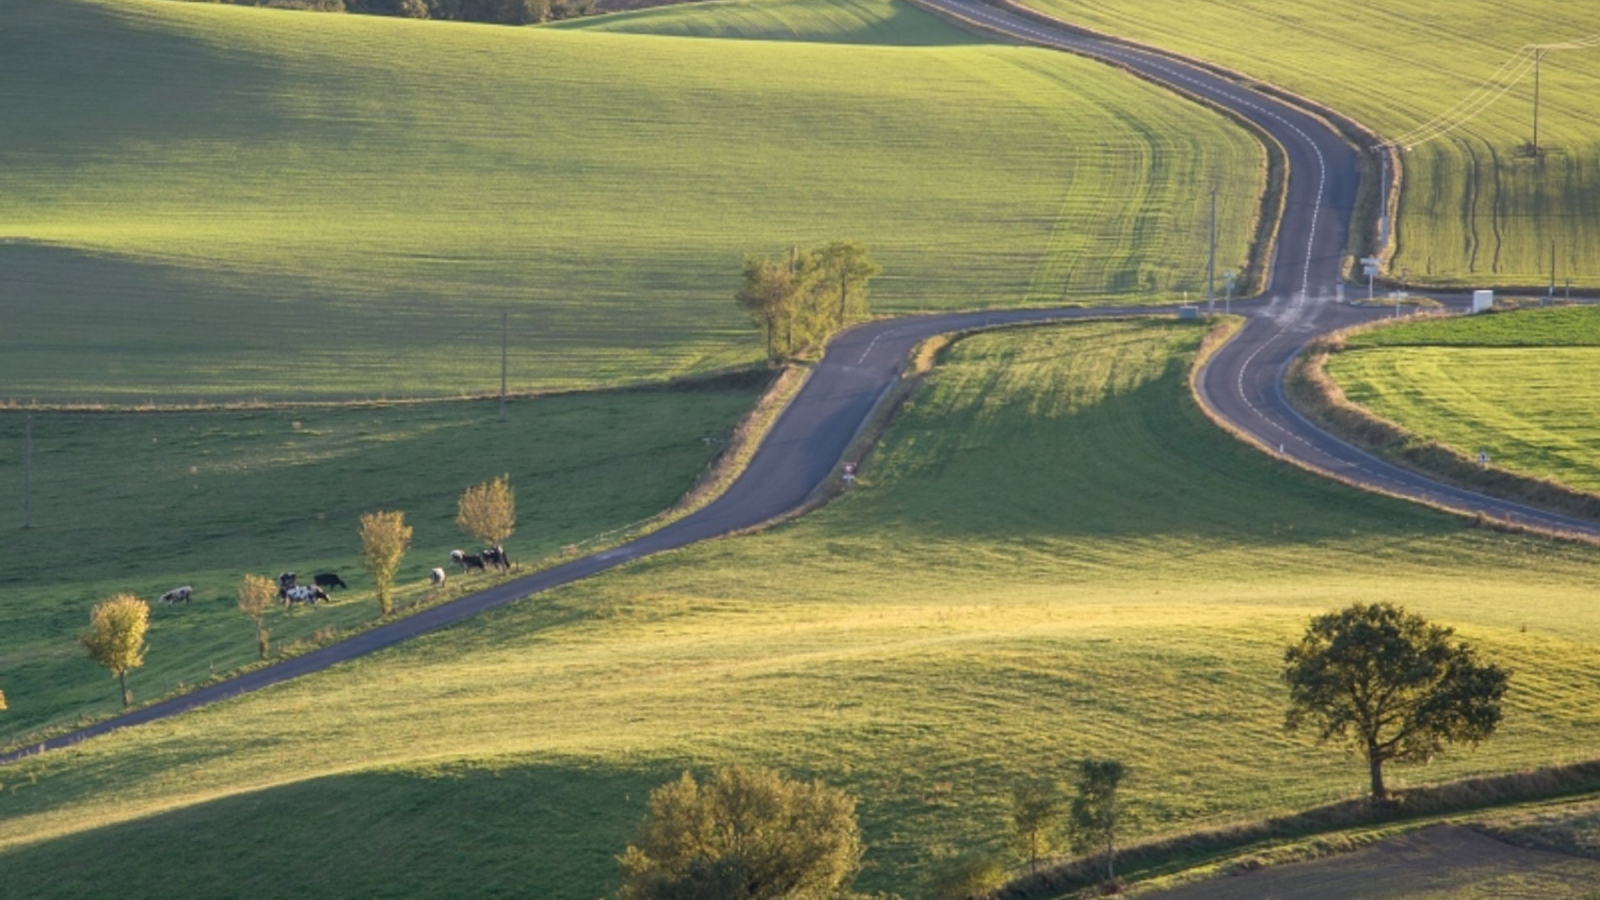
x: 834, y: 21
x: 145, y: 502
x: 1053, y: 554
x: 208, y: 201
x: 1520, y: 385
x: 1473, y: 211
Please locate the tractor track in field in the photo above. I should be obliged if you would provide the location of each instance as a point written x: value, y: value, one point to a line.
x: 1240, y: 384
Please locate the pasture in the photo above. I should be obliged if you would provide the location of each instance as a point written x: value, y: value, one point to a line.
x: 234, y: 203
x: 1053, y: 554
x: 145, y: 502
x: 1519, y: 385
x: 835, y: 22
x: 1474, y: 210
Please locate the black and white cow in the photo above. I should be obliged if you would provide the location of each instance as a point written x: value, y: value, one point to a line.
x: 304, y: 593
x: 467, y: 561
x: 177, y: 595
x: 437, y: 577
x: 496, y: 556
x: 329, y: 580
x: 286, y: 580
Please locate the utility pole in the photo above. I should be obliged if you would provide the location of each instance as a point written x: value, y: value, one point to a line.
x: 1211, y: 261
x: 1538, y: 64
x: 27, y: 468
x: 1552, y: 271
x: 502, y: 365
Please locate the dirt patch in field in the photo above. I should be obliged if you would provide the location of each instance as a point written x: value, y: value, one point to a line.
x: 1446, y: 862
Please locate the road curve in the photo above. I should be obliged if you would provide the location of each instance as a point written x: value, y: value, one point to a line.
x: 1241, y: 384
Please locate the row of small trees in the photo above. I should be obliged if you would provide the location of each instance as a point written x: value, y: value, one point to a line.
x: 1382, y: 680
x: 501, y: 12
x: 115, y: 639
x: 797, y: 302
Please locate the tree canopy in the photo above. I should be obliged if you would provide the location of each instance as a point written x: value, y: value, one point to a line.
x: 1391, y: 685
x: 744, y: 834
x: 800, y: 301
x: 488, y: 511
x: 115, y: 639
x: 385, y: 537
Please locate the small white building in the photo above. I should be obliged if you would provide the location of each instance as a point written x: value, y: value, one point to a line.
x: 1482, y: 301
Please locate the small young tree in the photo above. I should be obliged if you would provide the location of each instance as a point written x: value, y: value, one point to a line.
x: 1092, y: 819
x: 770, y: 294
x: 1037, y: 808
x: 488, y: 511
x: 115, y: 639
x: 972, y: 874
x: 255, y: 598
x: 1391, y: 685
x: 385, y: 537
x: 745, y: 834
x: 2, y: 701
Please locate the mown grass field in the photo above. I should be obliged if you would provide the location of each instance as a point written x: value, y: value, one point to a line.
x: 1473, y: 211
x: 225, y: 202
x: 145, y: 502
x: 1521, y: 385
x: 1053, y: 554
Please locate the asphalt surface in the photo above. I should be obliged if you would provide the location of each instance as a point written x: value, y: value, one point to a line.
x: 1242, y: 383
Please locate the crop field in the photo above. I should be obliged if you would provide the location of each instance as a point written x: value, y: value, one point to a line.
x: 146, y: 502
x: 1474, y: 210
x: 1053, y: 554
x: 1524, y: 386
x: 251, y: 203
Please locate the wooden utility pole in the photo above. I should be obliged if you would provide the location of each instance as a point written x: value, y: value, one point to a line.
x: 1538, y: 65
x: 1211, y: 260
x: 502, y: 365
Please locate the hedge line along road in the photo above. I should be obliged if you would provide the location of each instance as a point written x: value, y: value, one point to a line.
x: 1242, y: 383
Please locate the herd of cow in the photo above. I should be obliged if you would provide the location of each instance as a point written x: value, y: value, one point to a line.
x: 292, y: 593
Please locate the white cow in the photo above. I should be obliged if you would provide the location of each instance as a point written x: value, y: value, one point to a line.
x: 177, y: 595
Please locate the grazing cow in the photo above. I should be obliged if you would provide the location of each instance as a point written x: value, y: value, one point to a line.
x: 329, y: 580
x: 286, y: 581
x: 437, y: 577
x: 496, y: 556
x: 467, y: 561
x: 304, y: 593
x: 177, y: 595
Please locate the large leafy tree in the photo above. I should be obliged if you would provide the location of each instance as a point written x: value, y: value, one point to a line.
x: 844, y: 270
x: 771, y: 294
x: 1095, y: 812
x: 1037, y: 809
x: 1390, y: 685
x: 745, y: 834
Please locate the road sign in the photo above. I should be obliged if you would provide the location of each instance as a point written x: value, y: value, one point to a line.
x: 1371, y: 261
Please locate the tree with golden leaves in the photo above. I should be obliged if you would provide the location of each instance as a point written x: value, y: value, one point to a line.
x: 385, y: 537
x: 115, y: 639
x: 256, y: 594
x: 2, y: 701
x: 488, y: 511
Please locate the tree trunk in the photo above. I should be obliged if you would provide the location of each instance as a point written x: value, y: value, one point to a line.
x: 1111, y: 855
x: 771, y: 357
x: 1375, y: 763
x: 127, y: 698
x: 261, y: 641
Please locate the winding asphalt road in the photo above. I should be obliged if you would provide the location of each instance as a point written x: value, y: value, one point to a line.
x: 1242, y: 383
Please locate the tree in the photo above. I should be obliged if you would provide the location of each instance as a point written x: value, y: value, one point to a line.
x: 770, y: 294
x: 385, y: 537
x: 845, y: 269
x: 1391, y: 685
x: 746, y: 834
x: 1092, y: 819
x: 972, y: 874
x: 488, y: 511
x: 255, y: 598
x: 2, y: 701
x: 115, y: 639
x: 1037, y: 807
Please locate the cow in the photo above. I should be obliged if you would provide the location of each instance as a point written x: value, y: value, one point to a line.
x: 304, y: 593
x: 286, y: 580
x: 437, y: 577
x: 329, y: 580
x: 496, y: 556
x: 467, y: 561
x: 177, y: 595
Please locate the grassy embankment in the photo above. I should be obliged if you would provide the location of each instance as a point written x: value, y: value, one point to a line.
x: 1516, y: 385
x: 145, y: 502
x: 1473, y: 211
x: 221, y: 202
x: 1053, y: 554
